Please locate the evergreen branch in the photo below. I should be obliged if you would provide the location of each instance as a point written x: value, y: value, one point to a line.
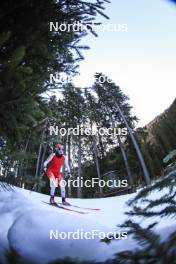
x: 159, y: 185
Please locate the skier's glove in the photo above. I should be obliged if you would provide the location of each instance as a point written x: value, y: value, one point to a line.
x: 44, y: 169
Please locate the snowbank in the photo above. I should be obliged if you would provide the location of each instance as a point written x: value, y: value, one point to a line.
x: 30, y: 227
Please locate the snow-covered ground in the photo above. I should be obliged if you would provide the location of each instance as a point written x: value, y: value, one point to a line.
x: 26, y: 224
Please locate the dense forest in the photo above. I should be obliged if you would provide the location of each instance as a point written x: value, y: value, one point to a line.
x: 29, y: 107
x: 100, y: 134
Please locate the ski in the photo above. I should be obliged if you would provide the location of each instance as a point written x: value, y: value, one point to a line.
x: 86, y: 208
x: 65, y: 208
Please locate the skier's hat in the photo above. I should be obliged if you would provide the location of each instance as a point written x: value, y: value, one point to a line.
x: 59, y: 147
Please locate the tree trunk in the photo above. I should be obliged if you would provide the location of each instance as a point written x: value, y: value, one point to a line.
x: 42, y: 159
x: 20, y: 165
x: 65, y: 148
x: 138, y: 151
x: 97, y: 163
x: 37, y: 172
x: 101, y: 146
x: 79, y: 193
x: 127, y: 166
x: 69, y: 163
x: 38, y: 161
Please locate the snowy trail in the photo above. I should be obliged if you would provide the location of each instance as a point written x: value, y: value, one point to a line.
x: 26, y: 223
x: 111, y: 213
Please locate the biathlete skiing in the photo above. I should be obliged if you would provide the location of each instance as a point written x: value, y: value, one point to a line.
x: 53, y: 168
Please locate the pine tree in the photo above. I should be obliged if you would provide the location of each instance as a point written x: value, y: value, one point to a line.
x: 152, y: 247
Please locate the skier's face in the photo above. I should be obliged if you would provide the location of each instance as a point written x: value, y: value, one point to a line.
x: 59, y: 152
